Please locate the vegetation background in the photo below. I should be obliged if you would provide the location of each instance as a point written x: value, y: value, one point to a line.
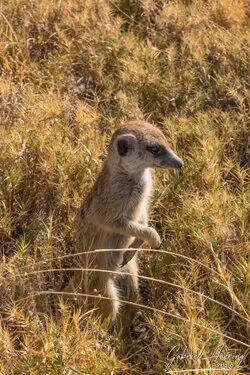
x: 71, y: 71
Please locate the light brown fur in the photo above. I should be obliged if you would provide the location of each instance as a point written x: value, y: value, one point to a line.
x: 114, y: 216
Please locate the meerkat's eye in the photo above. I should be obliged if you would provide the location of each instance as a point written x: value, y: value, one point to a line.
x: 155, y: 150
x: 122, y: 147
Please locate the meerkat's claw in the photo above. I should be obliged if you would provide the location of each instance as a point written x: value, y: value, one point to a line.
x: 127, y: 256
x: 158, y: 247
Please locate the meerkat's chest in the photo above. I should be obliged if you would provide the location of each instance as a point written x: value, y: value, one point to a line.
x: 139, y: 194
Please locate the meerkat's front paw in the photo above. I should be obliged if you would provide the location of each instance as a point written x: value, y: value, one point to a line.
x: 155, y: 239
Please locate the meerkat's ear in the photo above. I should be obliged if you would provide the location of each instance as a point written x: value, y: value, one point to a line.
x: 125, y: 143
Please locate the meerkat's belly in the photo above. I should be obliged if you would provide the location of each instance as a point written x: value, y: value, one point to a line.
x: 110, y: 240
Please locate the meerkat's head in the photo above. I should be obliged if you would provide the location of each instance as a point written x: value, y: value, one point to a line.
x: 137, y: 145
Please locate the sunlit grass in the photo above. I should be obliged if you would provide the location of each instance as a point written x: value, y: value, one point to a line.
x: 71, y: 71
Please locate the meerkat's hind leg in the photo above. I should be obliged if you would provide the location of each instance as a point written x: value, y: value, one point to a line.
x: 109, y: 305
x: 129, y: 291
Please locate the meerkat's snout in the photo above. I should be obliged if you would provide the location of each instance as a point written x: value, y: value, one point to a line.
x: 171, y: 160
x: 163, y: 156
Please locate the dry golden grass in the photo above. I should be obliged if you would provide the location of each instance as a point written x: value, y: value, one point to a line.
x: 70, y: 72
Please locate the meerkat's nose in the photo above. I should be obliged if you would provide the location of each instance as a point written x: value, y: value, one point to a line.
x: 179, y: 163
x: 174, y: 160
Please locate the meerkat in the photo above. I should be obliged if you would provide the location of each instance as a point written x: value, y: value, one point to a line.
x: 114, y: 215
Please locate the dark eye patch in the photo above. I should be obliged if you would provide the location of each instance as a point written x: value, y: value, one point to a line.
x: 122, y: 147
x: 156, y: 150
